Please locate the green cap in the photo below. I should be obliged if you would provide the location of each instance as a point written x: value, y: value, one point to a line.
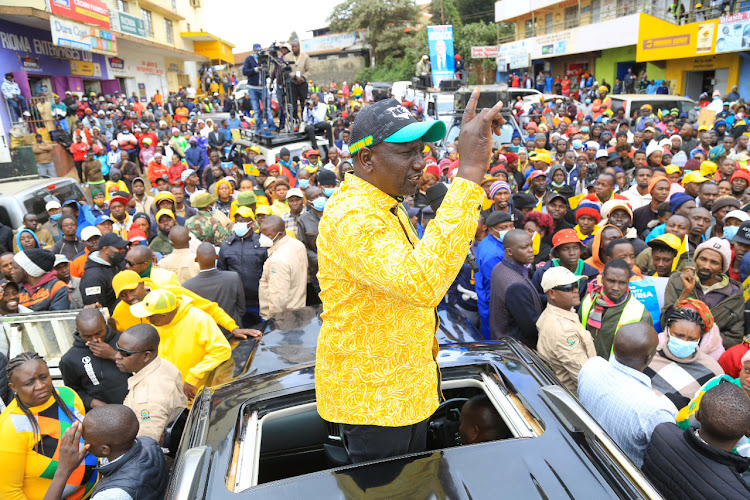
x: 245, y: 198
x: 204, y: 199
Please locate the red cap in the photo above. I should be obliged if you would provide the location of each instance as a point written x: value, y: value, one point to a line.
x: 429, y: 159
x: 564, y: 236
x: 433, y: 169
x: 312, y: 152
x: 741, y: 173
x: 535, y: 174
x: 121, y: 199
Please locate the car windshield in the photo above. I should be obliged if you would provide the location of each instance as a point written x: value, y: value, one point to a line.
x: 444, y: 106
x: 35, y: 203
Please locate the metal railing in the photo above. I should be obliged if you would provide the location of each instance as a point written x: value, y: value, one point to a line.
x: 593, y: 17
x: 31, y: 122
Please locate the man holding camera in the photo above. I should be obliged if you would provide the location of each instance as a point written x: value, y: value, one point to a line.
x: 314, y: 117
x: 256, y: 83
x: 301, y: 73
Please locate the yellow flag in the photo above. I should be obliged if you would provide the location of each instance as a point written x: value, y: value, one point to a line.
x: 538, y: 207
x: 536, y: 242
x: 575, y: 200
x: 250, y: 169
x: 683, y: 249
x: 746, y: 288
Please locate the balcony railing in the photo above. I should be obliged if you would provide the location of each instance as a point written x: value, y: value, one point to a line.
x: 593, y: 17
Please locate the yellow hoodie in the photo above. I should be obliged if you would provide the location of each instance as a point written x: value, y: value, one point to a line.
x: 193, y: 343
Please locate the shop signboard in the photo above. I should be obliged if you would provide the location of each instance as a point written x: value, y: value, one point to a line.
x: 660, y: 40
x: 704, y: 43
x: 733, y: 33
x: 17, y: 41
x: 116, y: 63
x: 125, y: 23
x: 85, y: 68
x: 29, y: 63
x: 440, y: 42
x: 332, y: 42
x: 484, y: 52
x: 85, y: 11
x: 515, y: 55
x: 66, y: 33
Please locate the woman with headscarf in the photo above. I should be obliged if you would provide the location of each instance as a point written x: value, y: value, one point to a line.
x: 224, y: 193
x: 680, y: 368
x: 25, y: 240
x: 143, y: 221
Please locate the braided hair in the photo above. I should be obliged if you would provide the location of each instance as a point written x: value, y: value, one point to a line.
x: 17, y: 362
x: 686, y: 314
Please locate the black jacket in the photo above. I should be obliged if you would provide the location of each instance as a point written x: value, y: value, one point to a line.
x: 96, y: 283
x: 245, y: 257
x: 92, y: 377
x: 141, y: 472
x: 6, y: 238
x: 681, y: 466
x: 223, y: 287
x: 217, y: 140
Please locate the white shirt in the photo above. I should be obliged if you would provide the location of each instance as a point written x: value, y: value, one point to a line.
x: 637, y: 200
x: 316, y: 115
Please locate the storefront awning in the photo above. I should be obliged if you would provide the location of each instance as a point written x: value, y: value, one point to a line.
x: 211, y: 46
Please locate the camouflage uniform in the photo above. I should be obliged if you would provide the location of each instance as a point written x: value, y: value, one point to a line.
x: 207, y: 228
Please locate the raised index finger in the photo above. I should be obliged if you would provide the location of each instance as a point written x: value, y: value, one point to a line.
x: 471, y: 108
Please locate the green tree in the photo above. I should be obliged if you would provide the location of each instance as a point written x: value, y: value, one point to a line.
x: 386, y: 21
x: 293, y: 36
x: 444, y: 12
x: 473, y: 11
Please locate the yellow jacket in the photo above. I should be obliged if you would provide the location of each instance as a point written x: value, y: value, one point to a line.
x: 163, y: 277
x: 193, y: 343
x: 379, y: 285
x: 124, y: 320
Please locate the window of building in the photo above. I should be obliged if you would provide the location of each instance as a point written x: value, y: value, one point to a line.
x: 122, y: 5
x: 174, y: 5
x: 169, y: 30
x: 146, y: 16
x: 548, y: 24
x: 529, y: 29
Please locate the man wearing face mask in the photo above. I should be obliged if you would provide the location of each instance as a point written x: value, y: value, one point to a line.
x: 283, y: 284
x: 708, y: 281
x: 327, y: 182
x: 54, y: 211
x: 101, y: 267
x: 307, y: 233
x: 242, y: 253
x: 490, y: 252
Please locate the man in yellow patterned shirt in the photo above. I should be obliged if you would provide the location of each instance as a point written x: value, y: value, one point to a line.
x: 375, y: 367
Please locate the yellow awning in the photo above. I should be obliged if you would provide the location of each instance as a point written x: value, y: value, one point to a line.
x: 211, y: 46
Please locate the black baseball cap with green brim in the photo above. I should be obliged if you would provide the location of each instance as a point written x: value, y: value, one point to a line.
x: 389, y: 121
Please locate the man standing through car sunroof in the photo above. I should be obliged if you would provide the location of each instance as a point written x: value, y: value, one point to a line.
x: 375, y: 368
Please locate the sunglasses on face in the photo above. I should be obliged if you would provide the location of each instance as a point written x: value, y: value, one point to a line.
x: 131, y: 264
x: 567, y: 288
x: 125, y: 353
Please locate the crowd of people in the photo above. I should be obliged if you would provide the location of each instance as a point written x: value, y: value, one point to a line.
x: 191, y: 241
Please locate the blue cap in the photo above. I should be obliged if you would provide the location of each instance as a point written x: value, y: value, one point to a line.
x: 102, y: 218
x: 256, y: 46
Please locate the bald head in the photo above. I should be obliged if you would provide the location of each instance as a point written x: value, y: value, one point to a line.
x: 272, y: 225
x: 145, y: 336
x: 480, y: 422
x: 89, y: 319
x: 635, y: 345
x: 110, y: 427
x: 205, y: 256
x: 518, y: 246
x: 179, y: 236
x: 140, y: 253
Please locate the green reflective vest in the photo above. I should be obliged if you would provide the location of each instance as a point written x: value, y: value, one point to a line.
x: 632, y: 313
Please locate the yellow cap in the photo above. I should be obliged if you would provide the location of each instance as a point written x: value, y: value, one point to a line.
x: 708, y: 168
x: 125, y: 280
x: 693, y: 176
x: 543, y: 157
x: 245, y: 212
x: 263, y: 210
x: 164, y: 211
x: 157, y: 301
x: 672, y: 169
x: 602, y: 88
x: 163, y: 195
x: 669, y: 239
x: 254, y: 149
x: 702, y: 128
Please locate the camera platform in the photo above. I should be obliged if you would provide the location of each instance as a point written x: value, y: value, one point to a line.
x: 270, y: 138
